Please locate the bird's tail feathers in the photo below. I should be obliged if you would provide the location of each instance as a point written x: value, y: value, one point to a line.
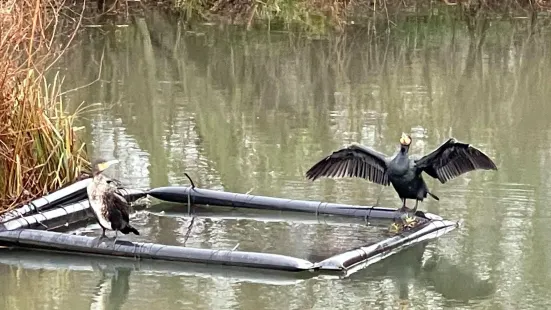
x: 433, y: 195
x: 129, y: 229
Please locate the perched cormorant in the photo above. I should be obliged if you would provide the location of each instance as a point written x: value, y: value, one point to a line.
x: 110, y: 208
x: 448, y: 161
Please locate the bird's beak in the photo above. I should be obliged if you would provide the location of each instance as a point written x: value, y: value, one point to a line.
x: 103, y: 166
x: 405, y: 139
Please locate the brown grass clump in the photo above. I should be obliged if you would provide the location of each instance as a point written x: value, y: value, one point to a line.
x: 39, y: 151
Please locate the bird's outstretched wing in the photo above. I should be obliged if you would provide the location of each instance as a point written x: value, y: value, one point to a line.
x: 453, y: 158
x: 353, y: 161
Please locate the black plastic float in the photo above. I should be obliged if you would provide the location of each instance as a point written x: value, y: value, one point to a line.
x: 348, y: 262
x: 430, y: 269
x: 36, y: 260
x: 16, y: 232
x: 60, y: 216
x: 68, y: 194
x: 362, y: 257
x: 235, y: 200
x: 54, y: 241
x: 225, y: 214
x: 51, y: 219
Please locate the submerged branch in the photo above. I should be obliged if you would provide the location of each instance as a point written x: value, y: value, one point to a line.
x: 189, y: 229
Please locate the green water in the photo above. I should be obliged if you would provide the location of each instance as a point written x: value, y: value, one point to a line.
x: 252, y: 111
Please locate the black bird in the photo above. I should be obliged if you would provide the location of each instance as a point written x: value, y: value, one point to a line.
x: 110, y: 208
x: 448, y: 161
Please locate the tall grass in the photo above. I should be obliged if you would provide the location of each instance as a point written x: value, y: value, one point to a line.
x: 39, y: 149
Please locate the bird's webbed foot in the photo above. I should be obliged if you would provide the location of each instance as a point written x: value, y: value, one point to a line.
x: 404, y: 219
x: 405, y: 209
x: 404, y: 223
x: 101, y: 237
x: 395, y: 228
x: 401, y: 212
x: 408, y: 218
x: 115, y: 240
x: 409, y: 222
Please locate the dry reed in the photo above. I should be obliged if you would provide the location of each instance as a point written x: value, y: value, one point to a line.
x: 39, y: 149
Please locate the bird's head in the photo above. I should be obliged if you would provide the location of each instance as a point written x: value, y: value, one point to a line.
x: 405, y: 140
x: 100, y: 165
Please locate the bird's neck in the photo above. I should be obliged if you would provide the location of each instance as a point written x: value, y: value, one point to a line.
x: 99, y: 178
x: 404, y: 149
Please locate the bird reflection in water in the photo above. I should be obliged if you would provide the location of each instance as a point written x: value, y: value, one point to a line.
x: 113, y: 294
x: 422, y: 267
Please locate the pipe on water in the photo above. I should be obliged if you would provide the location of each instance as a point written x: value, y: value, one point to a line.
x: 55, y: 261
x: 62, y: 215
x: 16, y: 232
x: 54, y: 241
x: 236, y: 200
x: 68, y: 194
x: 347, y: 262
x: 373, y: 253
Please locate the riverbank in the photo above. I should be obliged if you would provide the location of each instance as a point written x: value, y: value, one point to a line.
x: 322, y: 15
x: 39, y: 147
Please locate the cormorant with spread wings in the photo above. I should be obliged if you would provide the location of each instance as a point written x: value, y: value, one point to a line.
x: 448, y: 161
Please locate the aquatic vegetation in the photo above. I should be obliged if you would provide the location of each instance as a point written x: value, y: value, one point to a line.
x: 320, y: 15
x: 39, y: 149
x: 314, y: 15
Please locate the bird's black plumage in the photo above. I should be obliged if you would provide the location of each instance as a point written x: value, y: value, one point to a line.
x: 449, y: 160
x: 452, y: 159
x: 116, y: 212
x: 353, y: 161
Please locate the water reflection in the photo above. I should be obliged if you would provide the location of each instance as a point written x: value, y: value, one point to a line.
x: 113, y: 294
x: 112, y: 283
x: 458, y: 284
x: 252, y: 111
